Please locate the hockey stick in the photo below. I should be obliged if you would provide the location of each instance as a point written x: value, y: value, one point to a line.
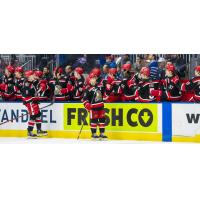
x: 81, y: 129
x: 80, y: 132
x: 25, y: 114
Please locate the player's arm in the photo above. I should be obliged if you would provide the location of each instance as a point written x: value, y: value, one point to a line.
x: 86, y: 100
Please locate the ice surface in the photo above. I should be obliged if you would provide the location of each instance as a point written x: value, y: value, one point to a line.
x: 12, y: 140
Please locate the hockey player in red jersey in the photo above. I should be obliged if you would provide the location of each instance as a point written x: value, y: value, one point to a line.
x: 19, y: 79
x: 193, y: 85
x: 113, y: 91
x: 128, y: 84
x: 97, y: 72
x: 59, y: 86
x: 78, y: 84
x: 171, y: 85
x: 146, y: 87
x: 93, y: 102
x: 31, y: 101
x: 43, y: 90
x: 7, y: 85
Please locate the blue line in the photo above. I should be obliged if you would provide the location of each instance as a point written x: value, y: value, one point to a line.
x: 167, y: 122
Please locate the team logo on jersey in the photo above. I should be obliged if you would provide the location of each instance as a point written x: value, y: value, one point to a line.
x: 26, y: 84
x: 98, y: 96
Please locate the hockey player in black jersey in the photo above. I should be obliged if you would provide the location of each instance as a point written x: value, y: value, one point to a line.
x: 31, y: 101
x: 18, y: 80
x: 193, y: 85
x: 93, y: 102
x: 171, y: 85
x: 79, y: 82
x: 147, y: 87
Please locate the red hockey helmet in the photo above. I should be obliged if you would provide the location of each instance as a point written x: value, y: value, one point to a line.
x: 197, y: 68
x: 145, y: 71
x: 38, y: 73
x: 11, y: 69
x: 96, y: 71
x: 92, y: 75
x: 19, y: 69
x: 28, y: 73
x: 113, y: 71
x: 79, y: 70
x: 170, y: 67
x: 126, y: 67
x: 58, y: 70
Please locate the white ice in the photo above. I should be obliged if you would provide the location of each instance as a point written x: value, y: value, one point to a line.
x: 12, y: 140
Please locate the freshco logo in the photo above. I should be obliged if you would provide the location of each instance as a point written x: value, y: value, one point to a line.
x: 115, y: 117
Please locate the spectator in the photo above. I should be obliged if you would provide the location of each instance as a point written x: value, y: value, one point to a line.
x: 140, y: 62
x: 161, y: 69
x: 153, y: 66
x: 112, y: 65
x: 180, y: 64
x: 108, y: 60
x: 105, y: 71
x: 126, y: 59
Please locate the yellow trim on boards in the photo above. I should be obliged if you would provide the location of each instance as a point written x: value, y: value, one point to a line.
x: 111, y: 135
x: 87, y: 135
x: 195, y: 138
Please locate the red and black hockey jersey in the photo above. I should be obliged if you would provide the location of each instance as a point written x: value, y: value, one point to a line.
x: 193, y: 85
x: 129, y: 88
x: 43, y: 89
x: 113, y: 92
x: 93, y: 98
x: 144, y: 90
x: 29, y: 92
x: 78, y: 88
x: 61, y: 89
x: 18, y: 87
x: 171, y: 87
x: 7, y: 88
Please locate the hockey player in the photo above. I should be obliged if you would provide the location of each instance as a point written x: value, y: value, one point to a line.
x: 7, y: 85
x: 78, y: 84
x: 97, y: 72
x: 60, y: 87
x: 113, y: 91
x: 68, y: 75
x: 193, y: 85
x: 31, y: 101
x: 19, y: 79
x: 128, y: 84
x: 43, y: 90
x: 171, y: 85
x: 93, y: 102
x: 148, y: 90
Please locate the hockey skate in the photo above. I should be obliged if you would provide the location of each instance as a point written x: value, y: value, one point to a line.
x: 32, y: 135
x: 42, y: 133
x: 95, y: 136
x: 102, y: 136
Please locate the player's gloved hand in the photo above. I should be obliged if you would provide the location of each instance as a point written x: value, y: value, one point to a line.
x: 70, y: 88
x: 43, y: 81
x: 108, y: 87
x: 87, y: 106
x: 156, y: 93
x: 163, y: 82
x: 2, y: 87
x: 64, y: 91
x: 183, y: 87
